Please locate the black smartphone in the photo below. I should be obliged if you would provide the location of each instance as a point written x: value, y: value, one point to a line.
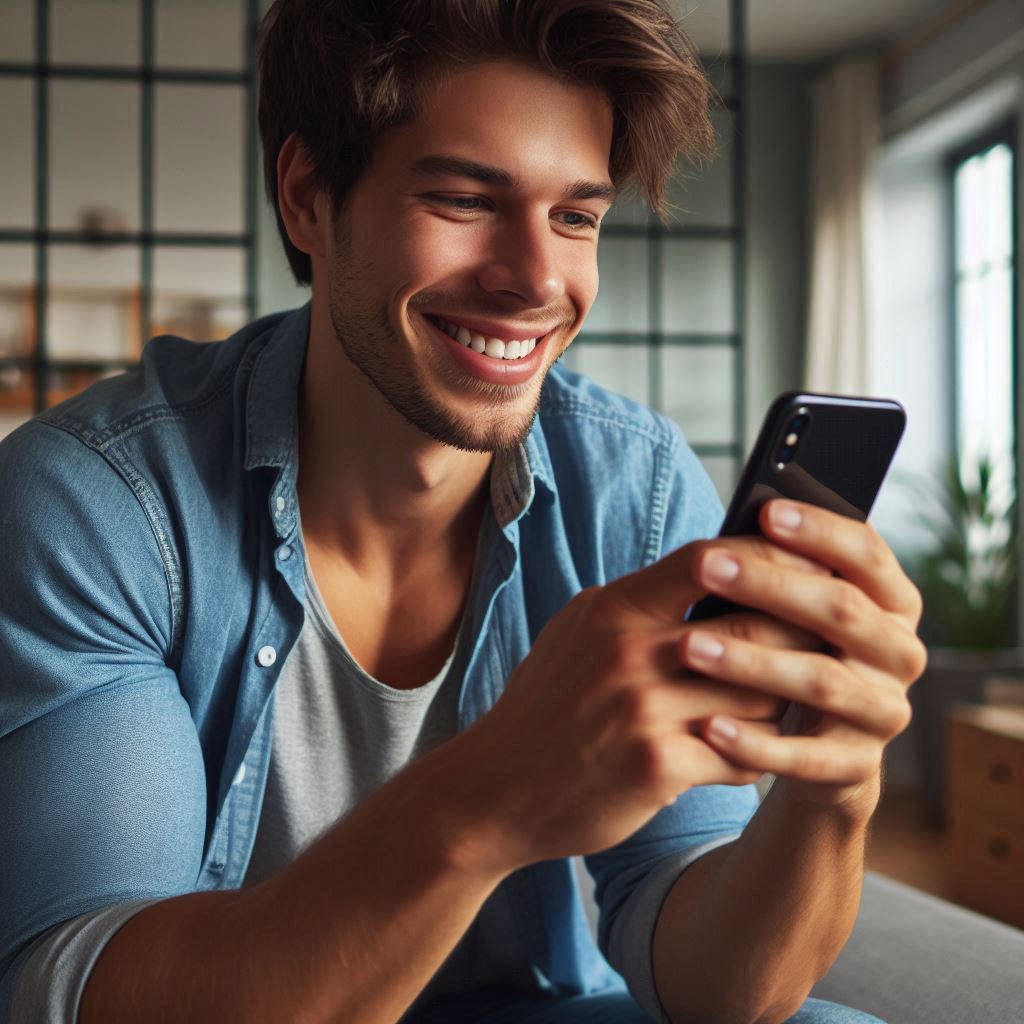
x: 827, y: 450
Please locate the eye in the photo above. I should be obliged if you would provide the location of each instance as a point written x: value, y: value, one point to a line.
x: 583, y: 224
x: 464, y: 204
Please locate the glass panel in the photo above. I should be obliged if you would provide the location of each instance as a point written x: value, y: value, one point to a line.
x: 17, y: 301
x: 984, y: 216
x: 94, y: 155
x: 623, y: 369
x: 697, y: 391
x: 95, y: 32
x: 64, y: 382
x: 198, y: 293
x: 200, y: 34
x: 17, y: 168
x: 703, y: 195
x: 92, y: 303
x: 723, y: 472
x: 17, y: 394
x: 719, y: 70
x: 198, y: 167
x: 18, y: 38
x: 707, y: 25
x: 630, y: 209
x: 984, y: 326
x: 621, y: 303
x: 697, y: 286
x: 984, y: 207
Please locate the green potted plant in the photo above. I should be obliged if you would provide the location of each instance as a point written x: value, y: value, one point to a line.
x: 967, y: 576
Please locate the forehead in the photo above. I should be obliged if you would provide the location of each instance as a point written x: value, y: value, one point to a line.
x: 505, y: 113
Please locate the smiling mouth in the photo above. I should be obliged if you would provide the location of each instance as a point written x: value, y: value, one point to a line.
x: 495, y: 348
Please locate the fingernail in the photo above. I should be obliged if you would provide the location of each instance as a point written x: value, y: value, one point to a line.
x: 722, y: 729
x: 785, y: 517
x: 719, y: 568
x: 702, y: 647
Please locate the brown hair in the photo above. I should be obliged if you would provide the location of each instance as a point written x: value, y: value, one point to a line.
x: 341, y: 72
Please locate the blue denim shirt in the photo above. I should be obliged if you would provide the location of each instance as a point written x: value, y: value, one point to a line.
x: 149, y: 598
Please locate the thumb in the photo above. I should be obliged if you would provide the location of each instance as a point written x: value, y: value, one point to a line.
x: 664, y: 590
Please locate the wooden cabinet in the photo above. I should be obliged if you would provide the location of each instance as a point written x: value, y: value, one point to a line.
x: 985, y: 802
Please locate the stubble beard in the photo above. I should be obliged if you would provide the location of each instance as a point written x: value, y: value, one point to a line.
x: 368, y: 341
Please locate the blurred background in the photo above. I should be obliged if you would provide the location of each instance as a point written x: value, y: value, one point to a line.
x: 857, y: 233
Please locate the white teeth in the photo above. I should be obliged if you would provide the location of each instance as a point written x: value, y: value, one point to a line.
x: 493, y: 347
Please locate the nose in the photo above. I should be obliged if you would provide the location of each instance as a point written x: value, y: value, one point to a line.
x: 524, y: 262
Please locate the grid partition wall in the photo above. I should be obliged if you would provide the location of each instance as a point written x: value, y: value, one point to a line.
x: 128, y: 197
x: 128, y: 188
x: 668, y: 325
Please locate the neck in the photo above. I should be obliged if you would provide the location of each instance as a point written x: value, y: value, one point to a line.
x: 386, y: 505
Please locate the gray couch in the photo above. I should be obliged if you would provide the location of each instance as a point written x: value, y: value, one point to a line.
x: 916, y: 959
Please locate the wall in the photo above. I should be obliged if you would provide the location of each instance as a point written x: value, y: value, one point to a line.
x: 778, y: 130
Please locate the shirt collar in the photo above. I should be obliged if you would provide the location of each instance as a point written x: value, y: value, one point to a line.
x: 272, y: 430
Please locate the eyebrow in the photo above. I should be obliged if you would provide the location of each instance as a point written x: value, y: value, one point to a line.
x: 435, y: 164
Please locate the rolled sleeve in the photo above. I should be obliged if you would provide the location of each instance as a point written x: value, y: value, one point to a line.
x: 101, y: 771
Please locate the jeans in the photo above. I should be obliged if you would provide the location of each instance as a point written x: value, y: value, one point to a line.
x: 507, y: 1006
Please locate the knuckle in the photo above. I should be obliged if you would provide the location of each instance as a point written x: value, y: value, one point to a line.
x: 824, y: 687
x: 649, y: 762
x: 845, y: 607
x: 902, y: 716
x: 915, y: 660
x: 630, y: 706
x: 622, y: 656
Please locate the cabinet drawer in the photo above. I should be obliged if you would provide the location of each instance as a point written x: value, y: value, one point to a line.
x: 986, y: 772
x: 986, y: 863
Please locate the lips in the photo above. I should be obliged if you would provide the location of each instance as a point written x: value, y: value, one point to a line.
x: 490, y: 369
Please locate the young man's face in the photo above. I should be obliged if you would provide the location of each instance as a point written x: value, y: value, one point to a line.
x: 482, y: 215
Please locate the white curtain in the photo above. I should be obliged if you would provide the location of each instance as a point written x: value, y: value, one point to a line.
x: 845, y: 145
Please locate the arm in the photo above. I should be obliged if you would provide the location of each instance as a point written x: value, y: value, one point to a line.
x: 802, y: 867
x: 762, y: 922
x: 351, y: 931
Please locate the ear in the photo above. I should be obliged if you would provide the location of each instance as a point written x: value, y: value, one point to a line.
x: 300, y: 197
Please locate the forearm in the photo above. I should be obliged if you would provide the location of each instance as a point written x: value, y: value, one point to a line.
x: 351, y: 931
x: 748, y: 930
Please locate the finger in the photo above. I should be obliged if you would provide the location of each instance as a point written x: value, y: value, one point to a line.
x: 665, y: 590
x: 867, y: 701
x: 853, y: 549
x: 839, y: 760
x: 835, y: 609
x: 647, y: 709
x: 762, y: 629
x: 694, y: 763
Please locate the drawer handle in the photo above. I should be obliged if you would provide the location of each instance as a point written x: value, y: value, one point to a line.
x: 999, y: 772
x: 999, y: 848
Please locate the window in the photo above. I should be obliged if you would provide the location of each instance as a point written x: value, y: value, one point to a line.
x: 984, y: 248
x: 128, y: 188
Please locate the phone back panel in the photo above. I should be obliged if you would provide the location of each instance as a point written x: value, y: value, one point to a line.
x: 844, y: 452
x: 840, y: 462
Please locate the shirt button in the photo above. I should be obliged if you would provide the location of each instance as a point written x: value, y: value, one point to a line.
x: 266, y: 656
x: 284, y: 553
x: 280, y: 504
x: 239, y: 775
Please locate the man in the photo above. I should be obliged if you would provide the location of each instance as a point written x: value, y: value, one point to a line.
x: 325, y: 648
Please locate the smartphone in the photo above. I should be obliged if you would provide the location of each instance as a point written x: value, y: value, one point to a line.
x: 827, y: 450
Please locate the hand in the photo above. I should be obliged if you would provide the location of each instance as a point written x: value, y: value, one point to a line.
x: 851, y: 704
x: 599, y: 727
